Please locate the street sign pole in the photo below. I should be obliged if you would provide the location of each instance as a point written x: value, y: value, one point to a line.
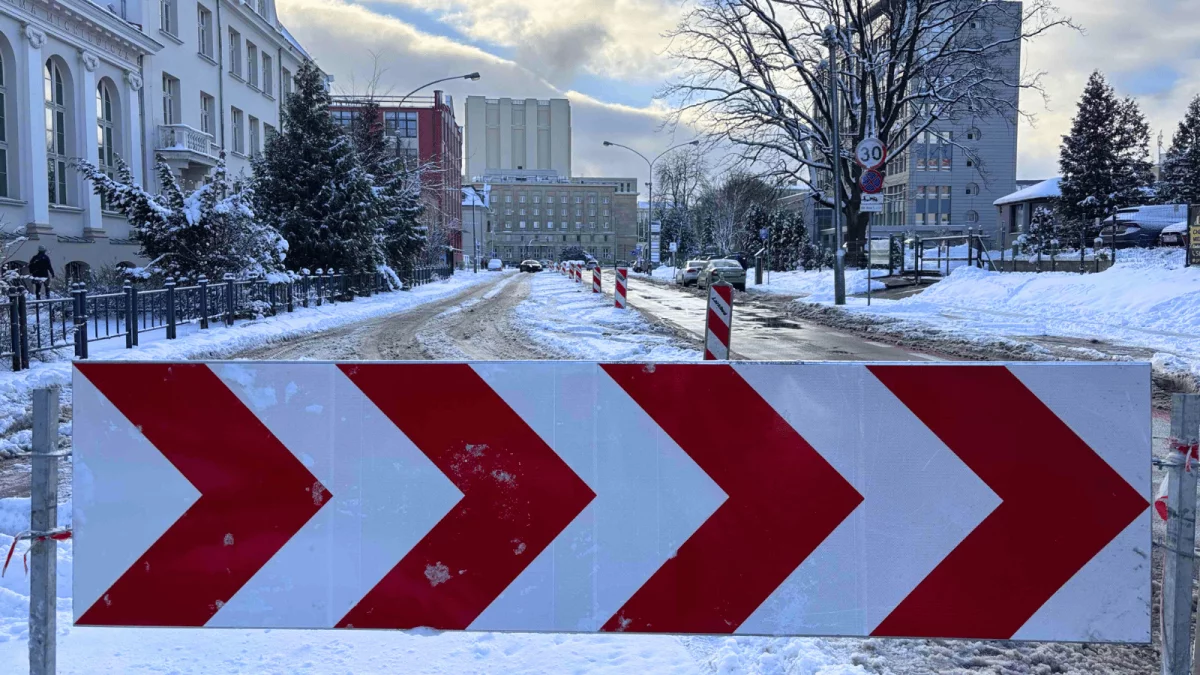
x: 839, y: 255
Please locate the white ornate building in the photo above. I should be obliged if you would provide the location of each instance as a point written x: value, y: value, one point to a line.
x: 135, y: 78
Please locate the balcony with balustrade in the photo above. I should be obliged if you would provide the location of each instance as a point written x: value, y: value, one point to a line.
x: 189, y: 151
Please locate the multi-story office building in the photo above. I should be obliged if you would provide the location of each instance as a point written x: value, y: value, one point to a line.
x: 178, y: 78
x: 539, y: 214
x: 507, y: 134
x: 946, y: 181
x: 423, y: 130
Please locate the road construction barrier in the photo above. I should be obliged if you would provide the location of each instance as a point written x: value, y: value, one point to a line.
x: 596, y: 279
x: 719, y: 322
x: 622, y: 287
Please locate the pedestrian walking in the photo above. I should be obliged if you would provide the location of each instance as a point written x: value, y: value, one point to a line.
x: 42, y: 271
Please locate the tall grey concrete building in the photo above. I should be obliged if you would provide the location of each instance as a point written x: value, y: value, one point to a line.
x: 517, y: 134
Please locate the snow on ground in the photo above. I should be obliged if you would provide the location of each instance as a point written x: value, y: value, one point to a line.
x: 567, y: 318
x: 1148, y: 300
x: 193, y: 343
x: 815, y: 286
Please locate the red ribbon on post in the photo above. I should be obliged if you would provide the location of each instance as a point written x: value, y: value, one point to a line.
x: 57, y: 534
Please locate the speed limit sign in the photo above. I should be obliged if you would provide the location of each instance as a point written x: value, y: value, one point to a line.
x: 870, y: 153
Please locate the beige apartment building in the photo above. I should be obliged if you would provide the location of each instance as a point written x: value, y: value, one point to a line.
x: 538, y: 216
x: 514, y: 134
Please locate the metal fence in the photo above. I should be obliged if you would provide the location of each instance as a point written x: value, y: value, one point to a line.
x: 34, y: 325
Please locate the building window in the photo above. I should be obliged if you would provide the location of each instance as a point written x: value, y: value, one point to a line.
x: 252, y: 63
x: 549, y: 199
x: 235, y: 52
x: 537, y: 211
x: 56, y: 133
x: 262, y: 8
x: 207, y: 108
x: 520, y: 212
x: 204, y: 30
x: 105, y: 134
x: 607, y: 200
x: 972, y: 216
x: 508, y: 224
x: 344, y: 118
x: 400, y: 124
x: 239, y: 140
x: 269, y: 132
x: 537, y: 199
x: 592, y: 211
x: 578, y: 199
x: 934, y: 151
x: 522, y: 224
x: 267, y: 80
x: 972, y: 134
x: 3, y: 132
x: 170, y: 99
x: 285, y: 82
x: 972, y: 189
x: 254, y: 145
x: 167, y: 17
x: 507, y: 199
x: 521, y: 199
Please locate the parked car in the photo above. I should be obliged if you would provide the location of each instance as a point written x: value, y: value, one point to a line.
x: 725, y: 270
x: 1174, y: 235
x: 686, y: 275
x: 741, y: 258
x: 495, y: 265
x: 531, y: 266
x: 1141, y: 225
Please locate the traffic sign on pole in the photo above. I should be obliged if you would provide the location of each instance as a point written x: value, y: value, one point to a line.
x: 863, y: 500
x: 871, y: 153
x: 871, y: 181
x: 718, y: 322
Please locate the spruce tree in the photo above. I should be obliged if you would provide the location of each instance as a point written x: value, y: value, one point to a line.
x: 211, y: 231
x: 310, y: 186
x: 1042, y: 234
x: 1104, y: 161
x: 397, y: 201
x: 1180, y: 182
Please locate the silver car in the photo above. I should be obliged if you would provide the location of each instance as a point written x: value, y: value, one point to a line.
x: 729, y: 271
x: 686, y: 275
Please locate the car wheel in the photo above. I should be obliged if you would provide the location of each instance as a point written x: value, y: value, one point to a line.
x: 740, y: 287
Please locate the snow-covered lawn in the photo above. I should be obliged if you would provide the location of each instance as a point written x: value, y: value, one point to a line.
x: 193, y: 343
x: 569, y: 319
x: 815, y: 286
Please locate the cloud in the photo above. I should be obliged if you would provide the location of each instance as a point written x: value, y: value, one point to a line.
x: 341, y: 36
x: 1148, y: 50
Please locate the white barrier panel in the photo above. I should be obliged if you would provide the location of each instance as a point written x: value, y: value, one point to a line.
x: 930, y: 500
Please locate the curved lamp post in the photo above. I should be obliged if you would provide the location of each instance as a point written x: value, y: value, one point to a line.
x: 650, y: 184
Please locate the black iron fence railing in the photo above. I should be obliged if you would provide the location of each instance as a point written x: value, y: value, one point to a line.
x: 30, y: 326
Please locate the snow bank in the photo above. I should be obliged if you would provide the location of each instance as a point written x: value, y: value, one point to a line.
x: 814, y: 286
x: 219, y: 342
x: 569, y: 319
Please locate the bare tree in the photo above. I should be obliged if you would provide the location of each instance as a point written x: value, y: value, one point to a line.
x: 727, y: 206
x: 756, y: 75
x: 679, y: 176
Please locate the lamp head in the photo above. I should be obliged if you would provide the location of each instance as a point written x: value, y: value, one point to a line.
x: 472, y: 76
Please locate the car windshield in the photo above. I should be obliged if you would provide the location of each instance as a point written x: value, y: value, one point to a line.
x: 695, y: 263
x: 725, y: 263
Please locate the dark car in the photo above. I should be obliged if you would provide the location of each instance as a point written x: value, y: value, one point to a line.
x: 531, y: 266
x: 741, y: 258
x: 1141, y: 226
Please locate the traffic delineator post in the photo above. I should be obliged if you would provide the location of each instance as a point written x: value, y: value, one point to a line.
x: 718, y: 323
x: 622, y: 288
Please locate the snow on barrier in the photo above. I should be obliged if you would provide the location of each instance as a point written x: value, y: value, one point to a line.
x: 718, y: 322
x: 619, y: 298
x: 863, y: 497
x: 596, y: 279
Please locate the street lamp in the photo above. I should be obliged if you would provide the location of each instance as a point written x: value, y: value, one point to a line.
x: 468, y: 76
x: 650, y: 183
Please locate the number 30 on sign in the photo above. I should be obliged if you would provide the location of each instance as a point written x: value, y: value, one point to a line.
x: 871, y: 153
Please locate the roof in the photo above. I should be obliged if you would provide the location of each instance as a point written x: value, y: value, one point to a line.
x: 1047, y: 189
x: 292, y: 40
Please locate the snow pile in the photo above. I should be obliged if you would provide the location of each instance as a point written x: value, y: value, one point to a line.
x: 568, y: 318
x: 814, y: 286
x: 16, y: 389
x: 664, y: 273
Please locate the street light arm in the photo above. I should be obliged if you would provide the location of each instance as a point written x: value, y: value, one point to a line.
x: 468, y: 76
x: 673, y: 147
x: 618, y: 145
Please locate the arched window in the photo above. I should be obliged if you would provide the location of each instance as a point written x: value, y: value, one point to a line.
x: 3, y: 130
x: 972, y: 189
x: 105, y: 134
x: 972, y: 217
x: 56, y: 132
x: 77, y: 271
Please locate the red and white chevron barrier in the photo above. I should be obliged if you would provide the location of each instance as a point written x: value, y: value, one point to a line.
x: 619, y: 296
x: 718, y: 323
x: 762, y: 498
x: 596, y: 279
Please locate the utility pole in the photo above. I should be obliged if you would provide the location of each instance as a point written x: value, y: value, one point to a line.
x: 839, y: 254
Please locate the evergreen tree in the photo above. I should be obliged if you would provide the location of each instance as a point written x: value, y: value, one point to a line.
x: 211, y: 231
x: 1042, y: 234
x: 1180, y: 182
x: 1104, y: 161
x: 574, y: 252
x: 789, y: 235
x: 310, y: 186
x: 397, y: 202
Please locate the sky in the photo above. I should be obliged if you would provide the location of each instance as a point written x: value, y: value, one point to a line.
x: 608, y: 57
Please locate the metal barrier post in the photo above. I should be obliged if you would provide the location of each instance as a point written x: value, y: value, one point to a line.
x: 1180, y: 545
x: 43, y: 518
x: 202, y: 282
x: 170, y: 286
x: 290, y: 296
x: 320, y: 287
x: 133, y: 303
x: 23, y: 316
x: 14, y: 322
x: 82, y: 338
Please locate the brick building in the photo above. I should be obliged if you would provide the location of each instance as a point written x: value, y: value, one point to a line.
x: 424, y: 131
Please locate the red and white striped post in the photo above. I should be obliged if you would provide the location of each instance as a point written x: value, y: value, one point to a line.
x: 719, y: 322
x: 622, y: 287
x: 596, y: 279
